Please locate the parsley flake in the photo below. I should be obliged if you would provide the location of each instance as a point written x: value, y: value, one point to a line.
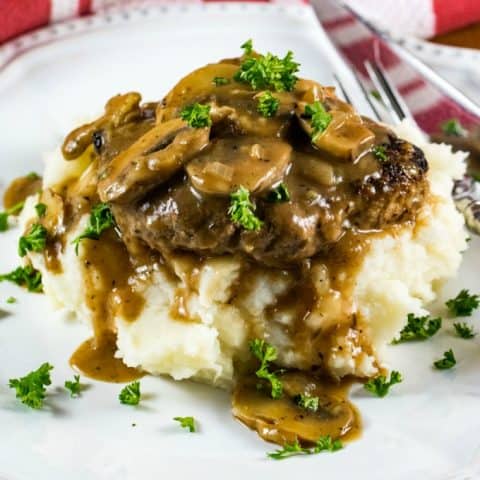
x: 186, y: 422
x: 34, y: 241
x: 31, y: 388
x: 15, y: 210
x: 380, y: 153
x: 101, y: 219
x: 33, y: 176
x: 266, y: 353
x: 323, y: 444
x: 320, y: 118
x: 267, y: 104
x: 379, y: 386
x: 242, y: 210
x: 453, y: 127
x: 447, y: 362
x: 74, y: 386
x: 247, y: 47
x: 418, y: 328
x: 463, y: 304
x: 307, y: 402
x: 130, y: 395
x: 25, y: 276
x: 279, y: 194
x: 463, y: 330
x: 41, y: 209
x: 219, y: 81
x: 196, y: 115
x: 11, y: 300
x: 268, y: 71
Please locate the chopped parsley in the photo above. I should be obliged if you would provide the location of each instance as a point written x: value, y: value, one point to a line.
x: 242, y: 210
x: 320, y: 118
x: 380, y: 153
x: 379, y: 386
x: 463, y: 304
x: 263, y: 72
x: 196, y: 115
x: 186, y: 422
x: 453, y: 127
x: 448, y: 361
x: 101, y: 219
x: 476, y: 177
x: 219, y: 81
x: 34, y: 241
x: 25, y: 276
x: 41, y: 209
x: 463, y: 330
x: 74, y: 386
x: 17, y: 208
x: 11, y: 300
x: 323, y: 444
x: 418, y: 328
x: 266, y: 353
x: 130, y: 395
x: 247, y: 47
x: 267, y: 104
x: 279, y: 194
x: 30, y: 390
x: 307, y: 402
x: 33, y: 176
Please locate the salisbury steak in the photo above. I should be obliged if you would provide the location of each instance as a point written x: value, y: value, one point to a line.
x: 177, y: 216
x: 223, y: 168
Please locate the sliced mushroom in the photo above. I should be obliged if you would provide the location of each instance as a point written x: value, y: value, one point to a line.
x: 284, y: 421
x: 314, y: 168
x: 151, y: 160
x: 255, y: 163
x: 310, y: 91
x: 346, y: 136
x: 118, y: 110
x: 195, y: 87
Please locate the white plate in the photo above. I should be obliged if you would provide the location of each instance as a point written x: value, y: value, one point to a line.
x: 426, y: 429
x: 461, y: 66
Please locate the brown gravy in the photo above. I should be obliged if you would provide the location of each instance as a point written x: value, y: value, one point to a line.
x: 95, y: 358
x: 283, y: 421
x: 107, y: 270
x: 20, y: 189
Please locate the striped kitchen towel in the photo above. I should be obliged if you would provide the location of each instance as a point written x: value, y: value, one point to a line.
x: 422, y: 18
x: 419, y: 17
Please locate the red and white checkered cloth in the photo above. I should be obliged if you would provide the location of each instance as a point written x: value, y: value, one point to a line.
x: 423, y: 18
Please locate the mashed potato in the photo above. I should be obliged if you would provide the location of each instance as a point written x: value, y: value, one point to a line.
x: 400, y: 274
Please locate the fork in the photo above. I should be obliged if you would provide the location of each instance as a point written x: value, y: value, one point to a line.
x: 391, y: 108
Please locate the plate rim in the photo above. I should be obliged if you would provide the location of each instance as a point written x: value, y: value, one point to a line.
x: 124, y: 14
x: 441, y: 54
x: 61, y: 31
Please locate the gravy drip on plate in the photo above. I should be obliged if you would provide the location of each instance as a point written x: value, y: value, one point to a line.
x: 21, y: 188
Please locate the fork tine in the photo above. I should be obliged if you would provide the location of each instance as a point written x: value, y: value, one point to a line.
x: 348, y: 99
x: 391, y: 91
x: 368, y: 97
x: 340, y: 87
x: 386, y: 95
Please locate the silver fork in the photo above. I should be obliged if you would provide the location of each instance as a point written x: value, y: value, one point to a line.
x: 392, y: 109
